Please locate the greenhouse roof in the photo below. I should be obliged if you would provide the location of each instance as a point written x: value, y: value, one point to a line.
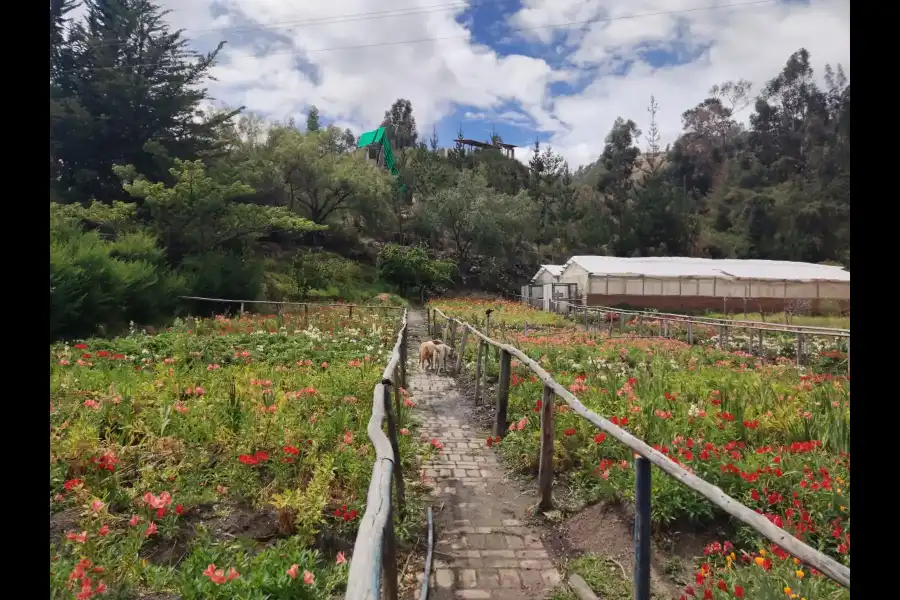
x: 674, y: 267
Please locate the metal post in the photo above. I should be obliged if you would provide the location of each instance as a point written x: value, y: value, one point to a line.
x: 242, y: 309
x: 721, y: 334
x: 500, y: 413
x: 545, y: 472
x: 641, y: 528
x: 690, y: 333
x: 478, y: 371
x: 799, y: 349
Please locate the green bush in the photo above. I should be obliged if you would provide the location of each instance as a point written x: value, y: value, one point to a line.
x: 223, y: 275
x: 94, y: 283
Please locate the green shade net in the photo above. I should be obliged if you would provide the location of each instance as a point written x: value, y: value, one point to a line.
x: 379, y: 137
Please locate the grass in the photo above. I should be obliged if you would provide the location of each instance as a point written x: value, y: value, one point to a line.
x: 239, y: 443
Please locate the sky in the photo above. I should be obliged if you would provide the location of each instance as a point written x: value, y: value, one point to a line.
x: 560, y: 71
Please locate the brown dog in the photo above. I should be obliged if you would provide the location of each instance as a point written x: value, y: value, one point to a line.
x: 426, y: 354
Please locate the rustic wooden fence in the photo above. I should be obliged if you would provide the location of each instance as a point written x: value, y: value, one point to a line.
x: 644, y: 457
x: 375, y: 549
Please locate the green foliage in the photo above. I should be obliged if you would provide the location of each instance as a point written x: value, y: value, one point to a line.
x: 99, y: 282
x: 410, y: 267
x: 198, y: 214
x: 320, y: 270
x: 219, y: 274
x: 122, y: 114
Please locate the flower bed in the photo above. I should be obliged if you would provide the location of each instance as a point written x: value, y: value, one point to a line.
x: 774, y: 437
x: 222, y: 458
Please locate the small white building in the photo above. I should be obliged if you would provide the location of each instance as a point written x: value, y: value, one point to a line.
x: 547, y: 274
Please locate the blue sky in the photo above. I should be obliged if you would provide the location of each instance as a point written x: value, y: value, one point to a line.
x: 557, y: 70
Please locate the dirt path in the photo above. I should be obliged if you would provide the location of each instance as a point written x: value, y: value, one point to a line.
x: 483, y: 549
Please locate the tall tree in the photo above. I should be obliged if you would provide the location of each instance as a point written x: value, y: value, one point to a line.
x: 127, y: 91
x: 312, y: 119
x: 401, y: 124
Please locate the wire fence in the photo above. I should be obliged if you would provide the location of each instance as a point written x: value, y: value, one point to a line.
x: 645, y: 455
x: 727, y: 334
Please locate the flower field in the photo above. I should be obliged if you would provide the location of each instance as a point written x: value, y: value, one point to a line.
x: 823, y: 354
x: 770, y: 434
x: 222, y: 458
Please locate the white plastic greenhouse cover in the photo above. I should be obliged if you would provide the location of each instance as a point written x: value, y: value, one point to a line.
x: 676, y: 266
x: 555, y: 270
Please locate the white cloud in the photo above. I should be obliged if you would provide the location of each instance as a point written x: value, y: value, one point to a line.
x: 751, y: 42
x: 354, y: 86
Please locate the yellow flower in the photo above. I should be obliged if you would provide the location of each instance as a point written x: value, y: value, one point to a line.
x: 731, y: 556
x: 800, y: 574
x: 759, y: 560
x: 839, y: 490
x: 787, y: 590
x: 843, y: 509
x: 796, y: 561
x: 762, y: 552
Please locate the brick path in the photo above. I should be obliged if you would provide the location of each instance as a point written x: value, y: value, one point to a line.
x: 482, y: 548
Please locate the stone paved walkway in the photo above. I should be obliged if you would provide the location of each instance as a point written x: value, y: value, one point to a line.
x: 483, y: 551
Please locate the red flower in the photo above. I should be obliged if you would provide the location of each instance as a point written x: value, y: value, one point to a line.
x: 569, y: 432
x: 179, y: 509
x: 738, y: 591
x: 291, y: 450
x: 599, y: 438
x: 247, y: 459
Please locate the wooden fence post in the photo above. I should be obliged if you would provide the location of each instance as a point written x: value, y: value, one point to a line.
x: 478, y: 372
x: 242, y: 309
x: 500, y: 423
x: 690, y: 333
x: 799, y: 349
x: 641, y: 528
x: 351, y: 311
x: 545, y: 474
x: 395, y: 446
x: 452, y: 341
x: 462, y: 351
x: 305, y: 316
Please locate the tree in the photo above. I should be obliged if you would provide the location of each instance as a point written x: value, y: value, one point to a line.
x: 197, y: 214
x: 409, y: 267
x: 312, y: 120
x: 401, y: 124
x: 318, y: 180
x: 127, y: 90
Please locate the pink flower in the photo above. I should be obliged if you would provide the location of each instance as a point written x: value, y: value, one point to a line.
x: 404, y: 431
x: 308, y: 578
x: 97, y: 506
x: 292, y: 571
x: 340, y: 559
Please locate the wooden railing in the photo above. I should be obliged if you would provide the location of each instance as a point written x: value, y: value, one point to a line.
x: 644, y: 457
x: 375, y: 549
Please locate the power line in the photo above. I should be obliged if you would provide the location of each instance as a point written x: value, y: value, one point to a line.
x: 467, y: 35
x: 330, y: 20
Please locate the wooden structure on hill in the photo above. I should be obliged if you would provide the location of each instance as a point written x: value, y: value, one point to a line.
x: 508, y: 149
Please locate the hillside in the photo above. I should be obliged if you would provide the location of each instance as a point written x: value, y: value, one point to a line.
x: 152, y: 197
